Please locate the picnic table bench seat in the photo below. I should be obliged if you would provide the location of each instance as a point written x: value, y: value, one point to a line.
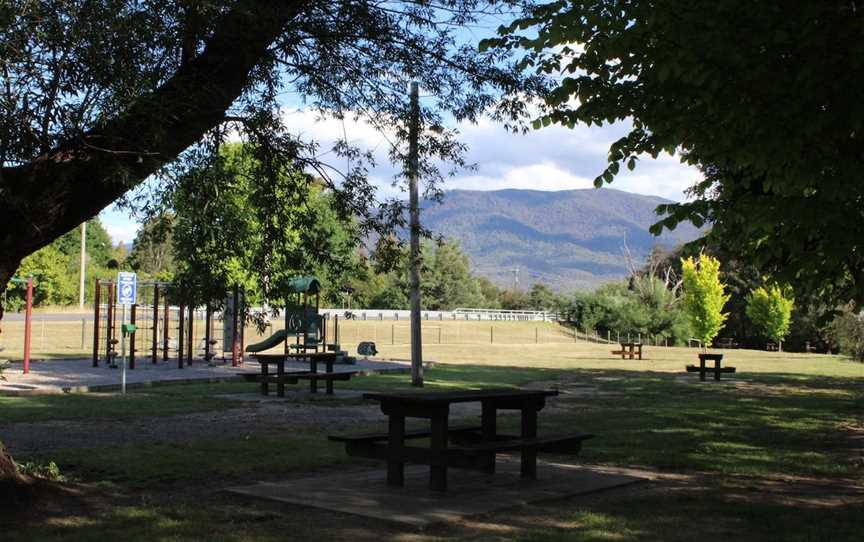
x: 479, y: 455
x: 703, y: 368
x: 409, y: 434
x: 563, y: 444
x: 293, y: 377
x: 708, y: 369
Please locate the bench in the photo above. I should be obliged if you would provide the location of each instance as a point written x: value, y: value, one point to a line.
x: 295, y: 377
x: 696, y: 369
x: 476, y: 455
x: 702, y: 368
x: 409, y: 434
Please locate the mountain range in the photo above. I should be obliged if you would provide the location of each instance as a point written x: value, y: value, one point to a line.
x: 570, y: 239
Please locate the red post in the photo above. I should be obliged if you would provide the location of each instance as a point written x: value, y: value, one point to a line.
x: 166, y: 329
x: 109, y: 331
x: 180, y: 338
x: 28, y: 321
x: 155, y: 322
x: 97, y: 300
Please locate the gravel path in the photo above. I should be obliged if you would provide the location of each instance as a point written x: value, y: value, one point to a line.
x: 292, y: 415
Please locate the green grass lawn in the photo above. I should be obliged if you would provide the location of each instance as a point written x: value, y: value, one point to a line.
x: 785, y: 419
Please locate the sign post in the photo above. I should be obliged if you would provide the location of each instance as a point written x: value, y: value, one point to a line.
x: 127, y: 290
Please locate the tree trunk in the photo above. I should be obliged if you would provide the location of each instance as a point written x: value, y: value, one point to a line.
x: 14, y: 488
x: 52, y: 194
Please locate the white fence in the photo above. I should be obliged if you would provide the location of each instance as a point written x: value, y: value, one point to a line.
x: 456, y: 314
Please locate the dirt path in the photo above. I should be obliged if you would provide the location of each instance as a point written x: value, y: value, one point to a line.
x: 292, y: 415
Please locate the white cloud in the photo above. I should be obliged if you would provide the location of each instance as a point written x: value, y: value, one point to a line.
x: 544, y: 175
x: 553, y: 158
x: 119, y: 226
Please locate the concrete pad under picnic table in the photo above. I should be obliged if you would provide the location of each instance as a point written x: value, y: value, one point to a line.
x: 366, y: 493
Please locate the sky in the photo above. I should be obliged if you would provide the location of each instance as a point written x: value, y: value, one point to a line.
x: 552, y: 158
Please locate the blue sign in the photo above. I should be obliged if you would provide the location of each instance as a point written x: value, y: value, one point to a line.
x: 127, y: 288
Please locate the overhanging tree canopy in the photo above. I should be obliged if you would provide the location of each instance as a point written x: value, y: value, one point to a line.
x: 100, y: 94
x: 758, y: 95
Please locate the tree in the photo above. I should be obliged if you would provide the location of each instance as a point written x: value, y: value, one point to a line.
x: 447, y: 279
x: 542, y: 298
x: 754, y: 94
x: 231, y: 227
x: 704, y: 297
x: 770, y: 309
x: 53, y: 285
x: 98, y: 245
x: 106, y: 93
x: 152, y: 251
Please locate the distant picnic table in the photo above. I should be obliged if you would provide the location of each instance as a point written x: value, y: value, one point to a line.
x: 702, y: 369
x: 281, y: 377
x: 478, y: 446
x: 629, y: 349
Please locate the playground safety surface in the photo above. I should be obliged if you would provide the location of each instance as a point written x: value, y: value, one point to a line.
x: 79, y: 375
x: 367, y: 494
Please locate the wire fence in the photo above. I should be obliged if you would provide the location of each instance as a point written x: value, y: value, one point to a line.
x: 73, y: 337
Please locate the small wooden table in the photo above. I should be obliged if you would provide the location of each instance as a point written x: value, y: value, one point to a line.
x: 265, y: 360
x: 631, y: 350
x: 435, y: 406
x: 717, y: 369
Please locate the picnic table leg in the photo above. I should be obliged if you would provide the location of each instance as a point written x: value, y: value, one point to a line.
x: 329, y: 381
x: 280, y: 378
x: 438, y: 473
x: 395, y: 442
x: 265, y: 389
x: 640, y: 351
x: 702, y: 370
x: 529, y: 430
x: 489, y: 429
x: 716, y: 369
x: 313, y: 382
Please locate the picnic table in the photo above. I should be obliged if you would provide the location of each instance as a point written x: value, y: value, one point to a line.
x: 479, y: 445
x: 629, y: 349
x: 702, y: 368
x: 281, y: 377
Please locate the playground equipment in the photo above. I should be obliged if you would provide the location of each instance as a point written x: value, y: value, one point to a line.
x: 302, y: 320
x: 155, y: 323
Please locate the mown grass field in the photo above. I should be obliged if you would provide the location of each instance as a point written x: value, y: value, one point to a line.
x: 774, y: 454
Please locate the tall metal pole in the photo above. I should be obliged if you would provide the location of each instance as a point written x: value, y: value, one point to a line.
x: 413, y: 167
x: 83, y: 264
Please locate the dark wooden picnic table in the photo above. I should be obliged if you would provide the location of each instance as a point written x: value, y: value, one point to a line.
x: 265, y: 360
x: 703, y: 368
x: 435, y: 406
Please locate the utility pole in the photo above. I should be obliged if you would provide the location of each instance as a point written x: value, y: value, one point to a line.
x: 413, y: 166
x: 81, y: 270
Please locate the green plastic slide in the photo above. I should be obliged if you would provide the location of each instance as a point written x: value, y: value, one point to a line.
x: 268, y: 343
